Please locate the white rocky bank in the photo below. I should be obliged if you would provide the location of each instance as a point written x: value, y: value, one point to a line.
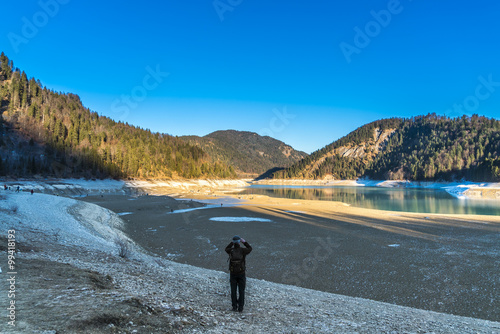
x: 80, y: 187
x: 86, y: 234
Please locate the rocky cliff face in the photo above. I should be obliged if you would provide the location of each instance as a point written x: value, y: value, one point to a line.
x: 365, y: 150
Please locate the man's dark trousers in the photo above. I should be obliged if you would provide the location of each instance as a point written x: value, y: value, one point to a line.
x: 238, y: 281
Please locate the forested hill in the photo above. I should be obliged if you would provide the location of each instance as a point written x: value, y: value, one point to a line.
x: 248, y: 152
x: 424, y: 148
x: 51, y: 134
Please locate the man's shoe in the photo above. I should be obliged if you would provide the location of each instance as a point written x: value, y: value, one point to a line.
x: 235, y: 309
x: 240, y: 310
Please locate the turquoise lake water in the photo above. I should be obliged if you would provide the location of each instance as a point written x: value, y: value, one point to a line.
x: 392, y: 199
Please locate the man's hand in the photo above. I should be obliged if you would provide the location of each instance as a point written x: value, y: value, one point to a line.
x: 242, y: 240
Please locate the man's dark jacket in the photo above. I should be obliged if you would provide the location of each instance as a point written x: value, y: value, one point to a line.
x: 237, y: 248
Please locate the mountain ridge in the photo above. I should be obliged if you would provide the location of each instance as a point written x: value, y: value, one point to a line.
x: 248, y: 152
x: 422, y: 148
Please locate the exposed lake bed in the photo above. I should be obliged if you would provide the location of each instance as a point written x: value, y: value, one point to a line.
x: 445, y: 263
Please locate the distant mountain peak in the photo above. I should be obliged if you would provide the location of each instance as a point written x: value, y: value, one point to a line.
x: 249, y: 152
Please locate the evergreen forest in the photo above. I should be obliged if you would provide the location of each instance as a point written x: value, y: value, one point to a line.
x: 47, y: 133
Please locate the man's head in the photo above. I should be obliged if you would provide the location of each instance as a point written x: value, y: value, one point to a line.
x: 236, y: 240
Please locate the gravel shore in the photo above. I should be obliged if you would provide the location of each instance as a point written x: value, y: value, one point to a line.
x: 70, y: 279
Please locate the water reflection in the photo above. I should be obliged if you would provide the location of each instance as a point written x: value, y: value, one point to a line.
x: 392, y: 199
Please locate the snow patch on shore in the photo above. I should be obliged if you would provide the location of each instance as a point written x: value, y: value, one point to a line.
x: 62, y: 220
x: 240, y: 219
x: 124, y: 213
x: 193, y: 209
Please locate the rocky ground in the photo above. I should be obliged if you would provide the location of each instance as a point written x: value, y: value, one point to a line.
x: 68, y: 290
x: 72, y: 280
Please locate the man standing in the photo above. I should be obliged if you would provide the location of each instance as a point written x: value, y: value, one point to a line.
x: 237, y: 279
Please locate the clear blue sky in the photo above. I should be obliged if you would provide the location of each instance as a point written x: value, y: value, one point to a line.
x: 304, y: 72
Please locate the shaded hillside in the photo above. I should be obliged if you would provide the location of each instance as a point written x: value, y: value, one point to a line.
x: 248, y: 152
x: 51, y: 134
x: 420, y: 148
